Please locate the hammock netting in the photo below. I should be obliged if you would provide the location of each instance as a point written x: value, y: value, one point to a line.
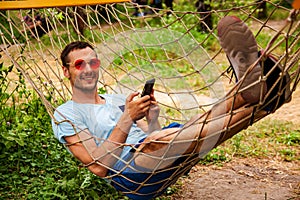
x: 179, y: 48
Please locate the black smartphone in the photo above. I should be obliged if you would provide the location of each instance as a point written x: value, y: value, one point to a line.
x: 148, y: 87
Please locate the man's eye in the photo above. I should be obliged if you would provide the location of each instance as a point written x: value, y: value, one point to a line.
x: 79, y: 63
x: 93, y: 62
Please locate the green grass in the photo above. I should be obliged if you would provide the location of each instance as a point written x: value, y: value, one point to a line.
x: 265, y: 139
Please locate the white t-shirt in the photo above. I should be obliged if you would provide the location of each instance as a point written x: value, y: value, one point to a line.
x: 99, y: 119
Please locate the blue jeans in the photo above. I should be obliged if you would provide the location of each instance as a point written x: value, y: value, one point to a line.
x: 139, y: 183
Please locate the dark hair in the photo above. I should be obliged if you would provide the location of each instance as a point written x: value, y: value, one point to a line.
x: 71, y: 47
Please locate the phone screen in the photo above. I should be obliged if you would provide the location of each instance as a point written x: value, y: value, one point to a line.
x: 148, y: 87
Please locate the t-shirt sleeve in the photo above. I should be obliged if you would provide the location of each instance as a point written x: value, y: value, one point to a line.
x: 66, y: 122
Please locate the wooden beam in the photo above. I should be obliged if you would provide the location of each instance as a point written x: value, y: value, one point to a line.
x: 26, y: 4
x: 296, y: 4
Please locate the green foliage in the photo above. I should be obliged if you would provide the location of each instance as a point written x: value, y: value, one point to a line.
x: 292, y: 139
x: 11, y: 113
x: 215, y: 156
x: 10, y: 32
x: 42, y: 168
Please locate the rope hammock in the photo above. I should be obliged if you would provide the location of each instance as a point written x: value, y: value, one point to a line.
x: 135, y: 43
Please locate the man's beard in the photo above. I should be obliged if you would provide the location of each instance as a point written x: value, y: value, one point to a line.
x: 84, y: 87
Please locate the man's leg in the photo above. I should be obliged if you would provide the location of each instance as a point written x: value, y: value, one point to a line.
x: 199, y: 135
x: 226, y: 118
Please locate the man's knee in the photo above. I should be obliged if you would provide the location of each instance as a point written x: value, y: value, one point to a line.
x: 157, y: 140
x: 152, y: 143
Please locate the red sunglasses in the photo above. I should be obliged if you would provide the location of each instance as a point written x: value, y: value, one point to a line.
x: 81, y: 64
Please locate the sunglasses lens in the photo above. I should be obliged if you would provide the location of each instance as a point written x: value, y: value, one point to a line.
x: 95, y: 63
x: 80, y: 64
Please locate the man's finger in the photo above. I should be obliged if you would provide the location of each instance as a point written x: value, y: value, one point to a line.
x: 131, y: 96
x: 145, y: 98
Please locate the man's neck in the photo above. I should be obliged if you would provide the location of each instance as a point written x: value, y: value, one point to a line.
x: 91, y: 97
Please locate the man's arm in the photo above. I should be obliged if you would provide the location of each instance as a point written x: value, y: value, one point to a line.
x: 152, y: 123
x: 100, y: 158
x: 142, y: 124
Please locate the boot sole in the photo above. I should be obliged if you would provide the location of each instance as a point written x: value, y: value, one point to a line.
x: 241, y: 49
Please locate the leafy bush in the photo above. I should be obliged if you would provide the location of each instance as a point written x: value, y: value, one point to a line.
x: 7, y: 30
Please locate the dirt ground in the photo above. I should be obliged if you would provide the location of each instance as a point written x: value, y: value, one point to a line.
x: 243, y: 179
x: 248, y: 178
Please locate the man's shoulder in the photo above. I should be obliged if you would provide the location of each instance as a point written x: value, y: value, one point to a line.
x: 65, y: 105
x: 64, y: 109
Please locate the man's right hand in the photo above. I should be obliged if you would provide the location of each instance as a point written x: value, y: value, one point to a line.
x: 137, y: 108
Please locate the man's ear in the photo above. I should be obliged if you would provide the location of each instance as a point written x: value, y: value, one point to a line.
x: 66, y: 72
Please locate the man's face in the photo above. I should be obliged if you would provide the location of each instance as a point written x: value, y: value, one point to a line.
x: 83, y: 71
